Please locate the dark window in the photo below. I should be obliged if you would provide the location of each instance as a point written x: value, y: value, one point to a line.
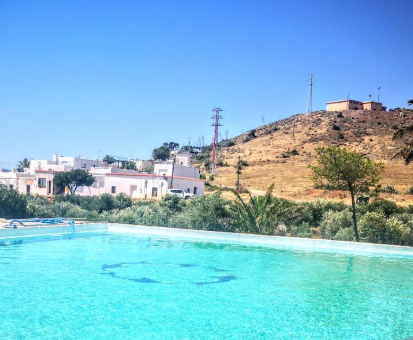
x: 42, y: 182
x: 113, y: 189
x: 154, y: 192
x: 195, y: 190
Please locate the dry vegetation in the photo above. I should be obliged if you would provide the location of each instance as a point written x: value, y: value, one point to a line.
x: 269, y: 152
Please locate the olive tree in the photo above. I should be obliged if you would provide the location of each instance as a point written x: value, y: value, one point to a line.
x: 339, y: 169
x: 73, y: 179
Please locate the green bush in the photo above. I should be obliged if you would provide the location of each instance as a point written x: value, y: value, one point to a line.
x: 205, y: 213
x: 12, y: 204
x: 334, y: 221
x: 314, y: 211
x: 373, y: 228
x: 172, y: 203
x: 346, y: 234
x: 380, y: 205
x: 304, y: 231
x: 122, y: 201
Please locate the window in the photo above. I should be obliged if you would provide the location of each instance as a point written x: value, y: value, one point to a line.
x: 83, y: 165
x: 195, y: 190
x: 154, y: 192
x: 42, y: 183
x: 113, y: 189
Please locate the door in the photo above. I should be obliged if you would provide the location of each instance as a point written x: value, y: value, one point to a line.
x: 49, y: 187
x: 133, y: 189
x: 154, y: 192
x: 28, y: 188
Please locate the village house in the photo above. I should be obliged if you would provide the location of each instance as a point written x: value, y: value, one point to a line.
x: 174, y: 173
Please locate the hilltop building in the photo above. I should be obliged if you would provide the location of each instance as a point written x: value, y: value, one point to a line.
x: 350, y: 104
x: 173, y: 173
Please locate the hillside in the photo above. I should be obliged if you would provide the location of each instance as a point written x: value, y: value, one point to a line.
x: 279, y: 152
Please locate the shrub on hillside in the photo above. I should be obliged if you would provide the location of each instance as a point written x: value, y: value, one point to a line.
x: 389, y: 189
x: 410, y: 191
x: 381, y: 205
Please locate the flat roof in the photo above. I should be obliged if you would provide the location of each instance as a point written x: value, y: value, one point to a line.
x: 372, y: 101
x: 344, y: 100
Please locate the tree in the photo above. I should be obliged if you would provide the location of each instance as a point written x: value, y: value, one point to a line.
x: 339, y: 169
x: 164, y: 151
x: 129, y: 165
x: 410, y: 102
x: 24, y: 163
x: 108, y: 159
x: 73, y: 179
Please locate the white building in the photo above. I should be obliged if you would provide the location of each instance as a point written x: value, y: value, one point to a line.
x: 62, y: 163
x: 38, y: 179
x: 142, y: 165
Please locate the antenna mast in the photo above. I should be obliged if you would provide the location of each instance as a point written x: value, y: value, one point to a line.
x: 216, y: 117
x: 310, y: 93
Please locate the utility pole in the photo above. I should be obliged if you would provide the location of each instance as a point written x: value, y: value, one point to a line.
x: 216, y: 117
x: 173, y: 170
x: 378, y: 94
x: 239, y: 168
x: 310, y: 93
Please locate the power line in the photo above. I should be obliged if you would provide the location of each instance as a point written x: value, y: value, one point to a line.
x: 216, y: 117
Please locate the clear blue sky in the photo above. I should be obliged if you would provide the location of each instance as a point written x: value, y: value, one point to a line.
x: 126, y: 75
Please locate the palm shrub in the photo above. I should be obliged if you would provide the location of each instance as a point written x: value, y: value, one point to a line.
x: 258, y: 215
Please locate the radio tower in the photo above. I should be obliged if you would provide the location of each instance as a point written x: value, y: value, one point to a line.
x: 216, y: 117
x: 310, y: 93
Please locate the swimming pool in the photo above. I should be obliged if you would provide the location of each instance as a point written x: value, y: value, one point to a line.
x: 118, y: 282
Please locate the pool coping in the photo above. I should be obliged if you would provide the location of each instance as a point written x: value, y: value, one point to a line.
x: 271, y: 241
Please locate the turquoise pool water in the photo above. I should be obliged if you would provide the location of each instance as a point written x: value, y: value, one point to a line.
x: 137, y: 286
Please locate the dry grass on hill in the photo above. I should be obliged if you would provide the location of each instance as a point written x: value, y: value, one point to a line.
x: 269, y: 151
